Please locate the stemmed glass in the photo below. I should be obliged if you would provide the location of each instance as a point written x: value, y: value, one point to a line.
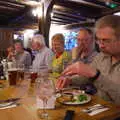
x: 44, y: 91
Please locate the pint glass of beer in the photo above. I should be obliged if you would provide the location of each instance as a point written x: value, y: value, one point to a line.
x: 33, y: 76
x: 12, y: 76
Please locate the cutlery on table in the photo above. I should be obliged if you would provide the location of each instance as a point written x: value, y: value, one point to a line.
x: 67, y: 89
x: 12, y: 102
x: 9, y: 100
x: 94, y: 108
x: 10, y: 106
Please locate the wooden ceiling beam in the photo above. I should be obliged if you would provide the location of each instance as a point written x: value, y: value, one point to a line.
x: 14, y: 3
x: 77, y: 6
x: 6, y: 8
x: 58, y: 23
x: 91, y: 3
x: 61, y: 20
x: 9, y: 4
x: 82, y: 12
x: 69, y: 15
x: 78, y: 25
x: 22, y: 27
x: 22, y: 16
x: 65, y: 17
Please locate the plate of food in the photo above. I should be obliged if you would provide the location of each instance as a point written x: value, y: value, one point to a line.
x: 74, y: 99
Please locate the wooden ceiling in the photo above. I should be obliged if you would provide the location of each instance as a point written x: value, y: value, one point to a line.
x: 18, y: 13
x: 81, y: 11
x: 15, y: 14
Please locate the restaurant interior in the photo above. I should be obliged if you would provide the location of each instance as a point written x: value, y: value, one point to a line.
x: 21, y: 20
x: 23, y: 17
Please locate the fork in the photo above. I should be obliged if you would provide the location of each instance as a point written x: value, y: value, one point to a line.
x: 94, y: 109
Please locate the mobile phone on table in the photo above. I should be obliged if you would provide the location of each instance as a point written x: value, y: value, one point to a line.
x: 69, y: 115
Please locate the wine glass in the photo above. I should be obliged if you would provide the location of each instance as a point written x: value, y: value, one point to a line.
x: 44, y: 92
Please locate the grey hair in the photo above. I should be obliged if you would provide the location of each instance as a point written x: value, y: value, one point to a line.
x: 90, y: 32
x: 39, y: 39
x: 112, y: 21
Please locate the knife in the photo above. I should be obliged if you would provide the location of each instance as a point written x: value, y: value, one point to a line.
x: 9, y: 100
x: 9, y: 106
x: 66, y: 89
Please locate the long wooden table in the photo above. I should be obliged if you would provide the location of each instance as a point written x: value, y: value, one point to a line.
x: 27, y: 109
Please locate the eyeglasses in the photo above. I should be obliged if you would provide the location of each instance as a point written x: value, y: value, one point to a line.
x: 105, y: 41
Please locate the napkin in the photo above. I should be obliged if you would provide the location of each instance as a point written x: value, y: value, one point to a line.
x: 96, y: 109
x: 50, y: 103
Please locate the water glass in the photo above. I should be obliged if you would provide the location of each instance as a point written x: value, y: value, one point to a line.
x: 44, y: 92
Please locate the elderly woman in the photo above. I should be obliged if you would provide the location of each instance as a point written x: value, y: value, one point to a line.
x: 61, y: 56
x: 44, y: 54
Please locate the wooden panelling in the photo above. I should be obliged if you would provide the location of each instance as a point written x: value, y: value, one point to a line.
x: 6, y: 39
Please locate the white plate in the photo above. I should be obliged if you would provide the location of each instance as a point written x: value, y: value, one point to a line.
x: 76, y: 102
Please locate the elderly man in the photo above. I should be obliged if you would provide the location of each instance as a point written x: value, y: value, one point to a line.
x: 105, y: 68
x: 22, y: 57
x: 44, y: 55
x: 85, y: 51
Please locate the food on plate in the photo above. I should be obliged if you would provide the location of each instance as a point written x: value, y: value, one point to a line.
x: 67, y: 97
x: 79, y: 98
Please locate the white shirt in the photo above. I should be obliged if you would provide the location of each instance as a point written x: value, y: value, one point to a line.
x: 43, y: 58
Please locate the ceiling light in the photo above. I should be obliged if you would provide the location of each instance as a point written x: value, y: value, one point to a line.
x: 51, y: 14
x: 117, y: 13
x: 37, y: 11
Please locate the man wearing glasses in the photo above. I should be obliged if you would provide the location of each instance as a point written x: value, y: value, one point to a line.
x: 85, y: 50
x: 105, y: 68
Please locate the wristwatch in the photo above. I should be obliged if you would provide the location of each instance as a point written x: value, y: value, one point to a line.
x: 96, y: 76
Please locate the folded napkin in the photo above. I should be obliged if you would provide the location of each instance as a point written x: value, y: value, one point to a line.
x: 98, y: 111
x: 50, y: 103
x: 95, y: 109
